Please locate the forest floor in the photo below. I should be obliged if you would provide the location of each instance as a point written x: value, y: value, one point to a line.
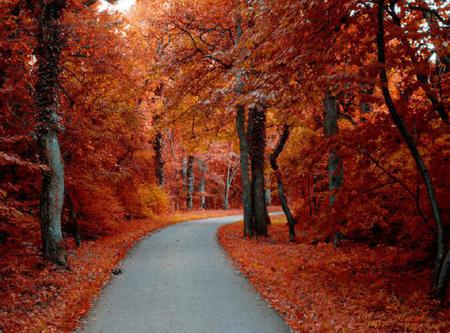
x: 40, y: 297
x: 353, y: 288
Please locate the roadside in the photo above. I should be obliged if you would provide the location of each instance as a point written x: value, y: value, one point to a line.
x: 40, y: 297
x: 354, y: 288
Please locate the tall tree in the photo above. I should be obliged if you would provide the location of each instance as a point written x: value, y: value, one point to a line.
x: 442, y: 262
x: 190, y: 182
x: 244, y: 148
x: 330, y: 125
x: 257, y: 135
x: 280, y: 186
x: 245, y: 173
x: 232, y: 170
x: 159, y: 159
x: 48, y: 52
x: 203, y: 170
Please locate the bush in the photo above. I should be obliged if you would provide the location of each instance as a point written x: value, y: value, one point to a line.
x: 153, y: 200
x: 143, y: 200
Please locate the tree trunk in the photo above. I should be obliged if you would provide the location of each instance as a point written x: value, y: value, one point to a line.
x: 245, y: 174
x: 335, y: 170
x: 226, y: 201
x: 184, y: 181
x: 268, y: 196
x: 257, y: 135
x: 227, y: 187
x: 190, y: 182
x: 440, y: 272
x: 273, y: 162
x: 48, y: 50
x: 159, y: 160
x: 244, y: 149
x: 203, y: 171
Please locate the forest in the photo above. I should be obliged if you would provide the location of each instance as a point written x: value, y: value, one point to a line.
x: 122, y: 117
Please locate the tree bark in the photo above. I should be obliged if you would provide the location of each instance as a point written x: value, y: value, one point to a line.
x: 335, y: 170
x: 244, y: 148
x: 203, y: 171
x: 274, y: 164
x: 190, y: 182
x: 440, y: 271
x: 268, y: 196
x: 159, y: 160
x: 48, y: 51
x: 227, y: 187
x: 442, y: 282
x: 184, y: 181
x: 257, y: 135
x: 245, y: 174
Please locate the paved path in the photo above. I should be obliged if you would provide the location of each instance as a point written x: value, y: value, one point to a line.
x: 179, y: 281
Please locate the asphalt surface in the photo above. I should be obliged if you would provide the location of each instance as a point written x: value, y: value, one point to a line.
x: 179, y: 280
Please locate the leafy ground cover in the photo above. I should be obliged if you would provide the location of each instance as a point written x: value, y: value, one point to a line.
x: 353, y: 288
x: 39, y: 297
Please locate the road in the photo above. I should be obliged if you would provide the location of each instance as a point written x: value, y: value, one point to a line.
x: 179, y: 280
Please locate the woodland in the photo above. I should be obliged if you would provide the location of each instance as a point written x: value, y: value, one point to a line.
x: 116, y: 122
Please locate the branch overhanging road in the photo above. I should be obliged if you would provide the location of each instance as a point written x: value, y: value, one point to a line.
x: 179, y: 280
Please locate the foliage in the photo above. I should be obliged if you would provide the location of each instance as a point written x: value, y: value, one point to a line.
x: 153, y: 201
x: 323, y: 289
x: 39, y: 297
x: 140, y: 93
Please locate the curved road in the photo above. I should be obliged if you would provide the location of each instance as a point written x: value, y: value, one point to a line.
x: 179, y: 280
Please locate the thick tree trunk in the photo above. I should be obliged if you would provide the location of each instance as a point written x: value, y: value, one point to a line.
x: 257, y: 135
x: 203, y: 171
x: 190, y: 182
x: 244, y: 147
x: 283, y: 200
x: 48, y: 50
x: 159, y: 160
x: 440, y: 274
x: 52, y: 198
x: 245, y: 174
x: 335, y: 170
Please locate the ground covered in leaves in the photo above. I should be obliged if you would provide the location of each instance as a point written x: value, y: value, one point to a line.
x: 352, y: 288
x: 39, y: 297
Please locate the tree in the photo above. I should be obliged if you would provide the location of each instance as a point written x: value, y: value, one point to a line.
x: 335, y: 170
x: 159, y: 159
x: 257, y: 138
x: 203, y: 171
x: 232, y: 170
x: 280, y: 186
x: 442, y: 262
x: 247, y: 199
x: 48, y: 52
x: 190, y: 182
